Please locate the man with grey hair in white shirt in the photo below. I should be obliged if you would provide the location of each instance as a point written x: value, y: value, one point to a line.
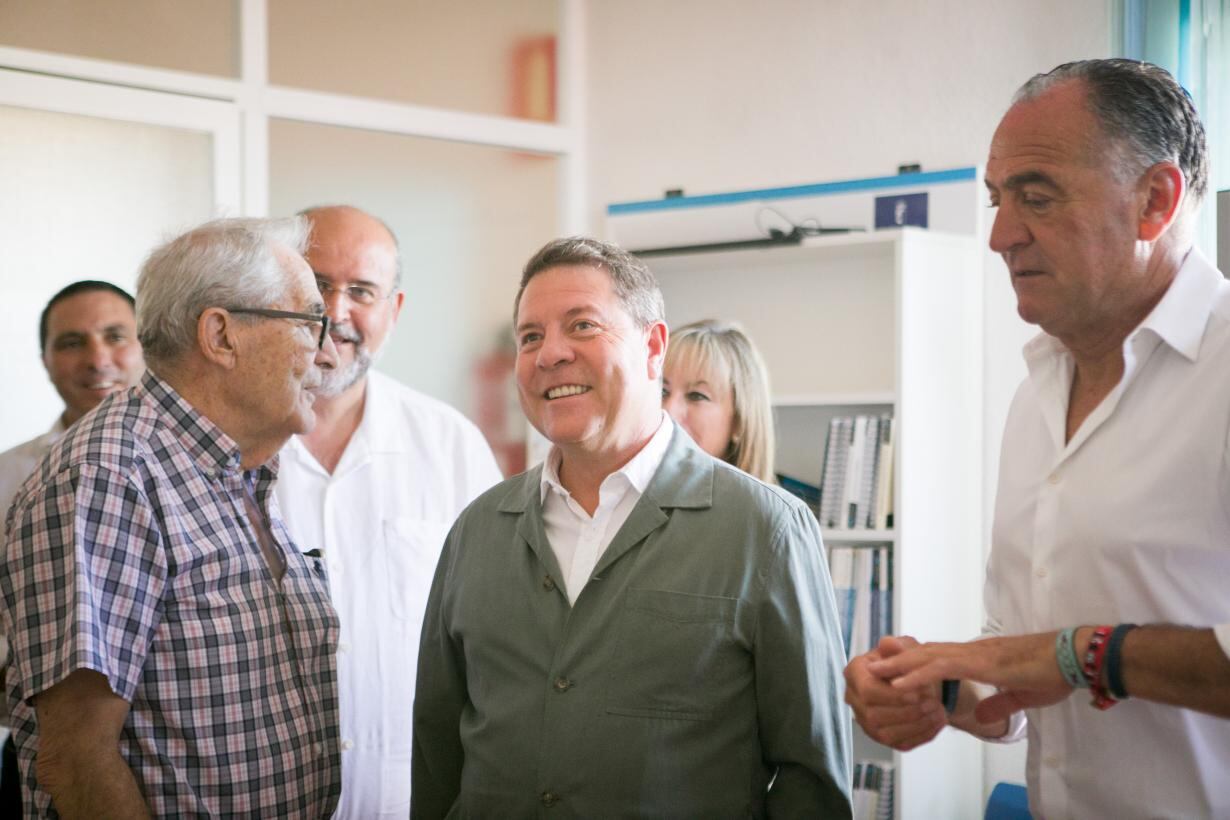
x: 1111, y: 542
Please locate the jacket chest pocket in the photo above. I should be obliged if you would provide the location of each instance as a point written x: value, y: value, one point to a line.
x: 412, y: 548
x: 675, y: 656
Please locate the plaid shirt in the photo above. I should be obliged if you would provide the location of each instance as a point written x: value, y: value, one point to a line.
x: 130, y: 553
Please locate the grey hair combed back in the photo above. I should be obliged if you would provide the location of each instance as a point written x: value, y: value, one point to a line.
x: 1142, y: 110
x: 223, y: 263
x: 634, y: 283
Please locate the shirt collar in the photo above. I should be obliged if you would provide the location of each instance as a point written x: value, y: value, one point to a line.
x: 213, y: 451
x: 1179, y: 319
x: 638, y: 471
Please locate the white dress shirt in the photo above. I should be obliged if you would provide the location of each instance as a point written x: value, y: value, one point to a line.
x: 578, y: 539
x: 17, y: 464
x: 379, y: 521
x: 1127, y: 522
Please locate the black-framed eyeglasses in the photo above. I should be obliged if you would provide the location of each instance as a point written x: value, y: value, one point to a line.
x: 269, y: 313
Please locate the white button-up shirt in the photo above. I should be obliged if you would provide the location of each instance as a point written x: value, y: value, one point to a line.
x: 379, y: 522
x: 579, y: 539
x: 1127, y: 522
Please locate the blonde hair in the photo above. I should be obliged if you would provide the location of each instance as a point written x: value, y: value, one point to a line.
x: 724, y: 350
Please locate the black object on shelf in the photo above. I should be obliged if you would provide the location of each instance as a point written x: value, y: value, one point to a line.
x: 776, y: 240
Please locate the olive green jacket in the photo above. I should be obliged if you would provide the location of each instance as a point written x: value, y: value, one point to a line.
x: 699, y: 674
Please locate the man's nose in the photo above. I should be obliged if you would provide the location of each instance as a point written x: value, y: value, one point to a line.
x: 1008, y: 230
x: 337, y: 304
x: 326, y: 356
x: 98, y: 354
x: 554, y: 351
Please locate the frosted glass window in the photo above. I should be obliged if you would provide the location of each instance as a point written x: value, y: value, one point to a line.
x: 468, y: 217
x: 482, y: 56
x: 84, y: 198
x: 197, y: 37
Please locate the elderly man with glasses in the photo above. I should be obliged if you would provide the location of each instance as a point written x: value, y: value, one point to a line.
x: 173, y: 652
x: 373, y: 489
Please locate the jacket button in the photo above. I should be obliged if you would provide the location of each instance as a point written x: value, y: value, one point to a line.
x: 562, y: 684
x: 549, y: 799
x: 547, y: 583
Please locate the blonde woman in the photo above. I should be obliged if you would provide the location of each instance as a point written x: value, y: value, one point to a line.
x: 716, y: 386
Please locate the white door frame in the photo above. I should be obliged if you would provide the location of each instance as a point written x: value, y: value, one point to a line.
x: 66, y: 96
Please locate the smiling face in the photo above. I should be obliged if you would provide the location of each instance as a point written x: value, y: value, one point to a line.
x: 587, y: 374
x: 702, y: 401
x: 355, y: 263
x: 1066, y: 225
x: 92, y: 350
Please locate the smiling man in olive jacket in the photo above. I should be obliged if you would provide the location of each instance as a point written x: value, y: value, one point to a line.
x: 634, y: 628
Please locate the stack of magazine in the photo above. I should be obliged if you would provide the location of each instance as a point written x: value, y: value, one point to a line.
x: 863, y: 584
x: 873, y: 790
x: 856, y: 489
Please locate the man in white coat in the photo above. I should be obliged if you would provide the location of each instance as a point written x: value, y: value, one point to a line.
x: 373, y: 490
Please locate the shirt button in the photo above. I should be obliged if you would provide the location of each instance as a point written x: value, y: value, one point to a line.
x: 347, y: 745
x: 1053, y: 478
x: 562, y: 684
x: 549, y: 799
x: 320, y: 749
x: 548, y: 584
x: 343, y: 647
x: 1051, y: 762
x: 1041, y: 572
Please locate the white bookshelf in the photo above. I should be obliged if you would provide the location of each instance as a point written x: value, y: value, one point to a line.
x: 884, y: 322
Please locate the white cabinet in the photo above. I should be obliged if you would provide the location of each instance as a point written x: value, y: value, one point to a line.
x: 879, y: 322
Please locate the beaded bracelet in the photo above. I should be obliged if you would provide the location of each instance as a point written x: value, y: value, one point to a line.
x: 1114, y: 665
x: 1069, y: 664
x: 1095, y: 655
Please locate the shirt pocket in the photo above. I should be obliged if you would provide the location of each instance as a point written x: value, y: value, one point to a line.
x: 671, y: 648
x: 412, y: 549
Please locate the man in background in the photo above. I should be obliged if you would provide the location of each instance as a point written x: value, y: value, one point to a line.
x: 633, y: 628
x: 1114, y: 483
x: 88, y: 337
x: 172, y: 651
x: 87, y: 334
x: 373, y: 488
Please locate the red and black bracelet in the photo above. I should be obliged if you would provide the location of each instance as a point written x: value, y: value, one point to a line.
x: 1095, y: 657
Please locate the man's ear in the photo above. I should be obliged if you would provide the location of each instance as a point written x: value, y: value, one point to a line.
x: 216, y: 337
x: 657, y: 338
x: 397, y: 302
x: 1164, y: 187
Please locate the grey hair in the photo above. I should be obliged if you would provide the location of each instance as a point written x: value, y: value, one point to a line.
x: 1142, y: 110
x: 634, y: 283
x: 223, y: 263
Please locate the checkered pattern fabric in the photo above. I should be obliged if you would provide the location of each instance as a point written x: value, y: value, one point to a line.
x: 130, y: 553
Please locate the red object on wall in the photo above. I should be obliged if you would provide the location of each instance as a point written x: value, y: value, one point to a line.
x: 533, y: 79
x: 498, y: 412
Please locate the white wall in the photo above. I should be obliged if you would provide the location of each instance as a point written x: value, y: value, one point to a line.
x: 721, y: 95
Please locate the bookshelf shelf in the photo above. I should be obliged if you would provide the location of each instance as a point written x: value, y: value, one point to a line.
x: 834, y: 399
x: 878, y: 323
x: 847, y: 537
